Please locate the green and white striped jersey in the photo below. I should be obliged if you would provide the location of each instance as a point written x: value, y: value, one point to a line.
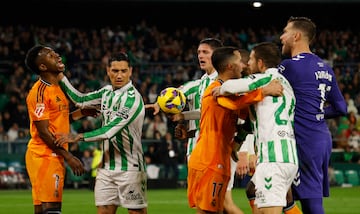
x: 272, y: 118
x: 123, y: 113
x: 193, y: 91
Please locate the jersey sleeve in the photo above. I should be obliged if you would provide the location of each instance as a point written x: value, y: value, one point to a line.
x: 190, y: 88
x: 246, y: 84
x: 81, y: 100
x: 239, y: 102
x: 337, y: 104
x: 285, y: 68
x: 38, y: 105
x: 133, y: 107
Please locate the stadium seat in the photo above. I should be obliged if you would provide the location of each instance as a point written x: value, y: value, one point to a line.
x: 3, y: 166
x: 4, y: 100
x: 339, y: 177
x: 73, y: 179
x: 152, y: 171
x: 352, y: 177
x: 16, y: 166
x: 183, y: 172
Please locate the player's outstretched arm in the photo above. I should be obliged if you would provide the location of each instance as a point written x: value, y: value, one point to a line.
x: 61, y: 139
x: 154, y: 106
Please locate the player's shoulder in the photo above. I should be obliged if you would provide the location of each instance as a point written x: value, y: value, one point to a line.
x: 190, y: 84
x: 208, y: 90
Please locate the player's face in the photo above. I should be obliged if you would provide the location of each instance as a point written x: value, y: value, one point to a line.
x: 245, y: 69
x: 238, y: 65
x: 119, y: 74
x: 50, y: 60
x: 287, y: 39
x: 205, y: 52
x: 253, y: 64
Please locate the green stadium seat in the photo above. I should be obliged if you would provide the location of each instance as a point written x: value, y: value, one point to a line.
x: 74, y: 180
x: 183, y: 173
x: 339, y: 177
x: 337, y: 157
x: 4, y: 101
x: 352, y: 177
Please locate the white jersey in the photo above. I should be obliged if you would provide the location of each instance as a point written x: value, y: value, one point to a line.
x: 194, y: 91
x: 272, y: 118
x: 248, y: 145
x: 190, y: 90
x: 123, y: 113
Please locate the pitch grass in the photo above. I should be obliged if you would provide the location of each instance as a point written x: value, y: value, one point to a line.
x: 169, y: 201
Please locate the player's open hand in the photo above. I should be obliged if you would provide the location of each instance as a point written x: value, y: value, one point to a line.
x: 154, y: 106
x: 76, y: 166
x: 274, y: 88
x: 216, y: 92
x: 61, y: 139
x: 60, y: 76
x: 242, y: 166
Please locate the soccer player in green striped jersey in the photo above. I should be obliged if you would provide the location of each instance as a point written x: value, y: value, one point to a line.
x: 121, y: 177
x: 272, y: 120
x: 193, y: 90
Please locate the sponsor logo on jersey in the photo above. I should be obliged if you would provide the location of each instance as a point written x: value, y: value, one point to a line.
x: 123, y: 113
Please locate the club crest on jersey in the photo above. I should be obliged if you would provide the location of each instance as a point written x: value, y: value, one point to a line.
x: 123, y: 113
x: 39, y: 110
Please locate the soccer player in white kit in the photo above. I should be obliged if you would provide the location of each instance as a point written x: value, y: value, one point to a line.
x: 121, y: 177
x: 272, y: 120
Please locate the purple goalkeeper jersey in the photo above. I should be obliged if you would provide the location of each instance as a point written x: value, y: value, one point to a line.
x: 317, y: 98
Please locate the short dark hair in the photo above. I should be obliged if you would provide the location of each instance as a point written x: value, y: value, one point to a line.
x: 245, y: 54
x: 304, y: 24
x: 221, y: 56
x: 121, y: 56
x: 212, y: 42
x: 268, y: 52
x: 31, y: 58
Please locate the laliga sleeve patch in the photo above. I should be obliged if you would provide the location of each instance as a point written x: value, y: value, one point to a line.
x: 39, y: 110
x: 123, y: 113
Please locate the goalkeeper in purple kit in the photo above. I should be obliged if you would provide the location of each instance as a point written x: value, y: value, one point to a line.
x: 317, y: 98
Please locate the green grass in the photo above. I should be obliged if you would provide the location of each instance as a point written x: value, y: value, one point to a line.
x: 173, y: 201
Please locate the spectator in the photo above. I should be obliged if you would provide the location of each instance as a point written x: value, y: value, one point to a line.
x: 152, y: 168
x: 87, y: 159
x: 157, y: 124
x: 354, y: 140
x: 168, y: 154
x: 13, y: 132
x: 150, y: 154
x: 97, y: 155
x: 3, y: 134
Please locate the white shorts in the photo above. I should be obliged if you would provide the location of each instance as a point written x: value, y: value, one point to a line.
x: 127, y: 189
x: 232, y: 175
x: 272, y: 182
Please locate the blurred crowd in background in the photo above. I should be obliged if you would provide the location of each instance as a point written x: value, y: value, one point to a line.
x: 160, y: 59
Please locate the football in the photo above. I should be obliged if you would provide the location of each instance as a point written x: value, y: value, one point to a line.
x: 171, y: 100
